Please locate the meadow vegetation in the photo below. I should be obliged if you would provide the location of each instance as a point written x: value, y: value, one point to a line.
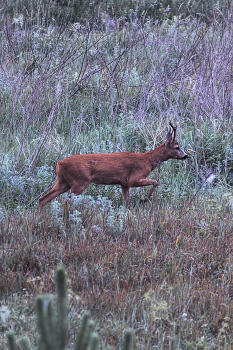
x: 164, y: 268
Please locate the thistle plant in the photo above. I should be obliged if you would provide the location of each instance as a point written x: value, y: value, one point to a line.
x: 53, y: 325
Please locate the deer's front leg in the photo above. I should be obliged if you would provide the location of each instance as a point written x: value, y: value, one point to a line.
x: 146, y: 182
x: 125, y: 192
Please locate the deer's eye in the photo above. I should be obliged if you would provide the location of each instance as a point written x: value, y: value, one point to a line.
x: 177, y: 147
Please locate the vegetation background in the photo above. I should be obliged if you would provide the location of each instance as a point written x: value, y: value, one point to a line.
x: 104, y: 76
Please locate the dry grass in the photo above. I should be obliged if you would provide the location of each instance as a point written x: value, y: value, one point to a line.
x: 169, y: 279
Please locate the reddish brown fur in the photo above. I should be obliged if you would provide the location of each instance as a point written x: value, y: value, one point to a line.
x: 126, y: 169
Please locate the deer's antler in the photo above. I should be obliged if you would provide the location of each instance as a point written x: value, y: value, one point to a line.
x: 174, y: 130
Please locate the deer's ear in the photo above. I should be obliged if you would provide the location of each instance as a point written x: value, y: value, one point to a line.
x: 168, y: 137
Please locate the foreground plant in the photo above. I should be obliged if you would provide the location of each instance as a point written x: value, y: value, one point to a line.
x: 53, y: 326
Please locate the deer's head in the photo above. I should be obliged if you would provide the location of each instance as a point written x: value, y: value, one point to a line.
x: 172, y: 147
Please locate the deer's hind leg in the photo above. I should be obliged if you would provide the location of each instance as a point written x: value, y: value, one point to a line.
x: 78, y: 187
x: 58, y: 188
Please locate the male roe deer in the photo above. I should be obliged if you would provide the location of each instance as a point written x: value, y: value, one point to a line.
x: 127, y: 169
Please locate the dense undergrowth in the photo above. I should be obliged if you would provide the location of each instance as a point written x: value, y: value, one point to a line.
x: 101, y: 13
x: 163, y: 268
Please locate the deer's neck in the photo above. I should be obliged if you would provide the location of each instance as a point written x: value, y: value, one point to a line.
x: 158, y: 156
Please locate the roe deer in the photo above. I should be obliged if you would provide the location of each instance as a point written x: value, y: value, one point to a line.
x: 127, y: 169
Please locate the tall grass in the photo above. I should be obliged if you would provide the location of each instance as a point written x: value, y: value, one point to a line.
x: 77, y: 91
x: 102, y: 12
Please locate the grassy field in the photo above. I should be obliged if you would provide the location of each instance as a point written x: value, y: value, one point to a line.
x: 163, y: 268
